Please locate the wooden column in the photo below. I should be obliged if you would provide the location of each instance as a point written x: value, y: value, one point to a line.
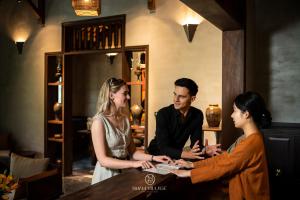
x: 233, y: 80
x: 228, y: 16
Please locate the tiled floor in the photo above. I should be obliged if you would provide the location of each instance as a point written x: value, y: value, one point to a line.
x: 81, y: 178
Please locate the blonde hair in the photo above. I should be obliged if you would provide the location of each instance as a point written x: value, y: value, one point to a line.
x: 104, y: 104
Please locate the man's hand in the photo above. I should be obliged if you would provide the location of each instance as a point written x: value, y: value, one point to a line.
x: 194, y: 153
x: 211, y: 150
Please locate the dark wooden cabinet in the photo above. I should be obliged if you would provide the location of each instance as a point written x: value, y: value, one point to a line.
x: 282, y: 142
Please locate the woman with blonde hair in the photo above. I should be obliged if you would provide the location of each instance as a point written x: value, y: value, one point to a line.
x: 111, y: 134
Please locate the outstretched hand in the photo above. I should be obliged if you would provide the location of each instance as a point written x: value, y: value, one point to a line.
x: 212, y: 150
x: 194, y: 153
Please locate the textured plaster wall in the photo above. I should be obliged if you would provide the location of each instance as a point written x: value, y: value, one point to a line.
x: 88, y: 73
x: 273, y: 59
x: 171, y: 57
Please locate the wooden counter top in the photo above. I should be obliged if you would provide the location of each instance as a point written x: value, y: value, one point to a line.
x: 127, y: 185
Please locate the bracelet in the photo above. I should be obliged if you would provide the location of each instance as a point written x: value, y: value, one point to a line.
x: 152, y: 157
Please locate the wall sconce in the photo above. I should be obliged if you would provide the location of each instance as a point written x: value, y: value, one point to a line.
x: 190, y: 30
x: 19, y: 47
x: 111, y: 57
x: 87, y: 7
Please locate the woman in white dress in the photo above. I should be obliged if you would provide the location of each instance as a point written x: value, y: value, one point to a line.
x: 111, y: 134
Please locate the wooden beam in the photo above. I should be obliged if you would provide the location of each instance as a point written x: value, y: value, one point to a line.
x: 39, y: 10
x: 233, y: 80
x: 224, y: 14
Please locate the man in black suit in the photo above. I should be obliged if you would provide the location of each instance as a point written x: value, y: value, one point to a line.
x: 178, y: 122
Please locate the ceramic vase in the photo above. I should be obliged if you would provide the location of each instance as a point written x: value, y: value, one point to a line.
x: 57, y: 108
x: 213, y: 115
x: 136, y: 112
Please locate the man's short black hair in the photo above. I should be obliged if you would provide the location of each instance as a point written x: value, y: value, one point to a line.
x: 189, y: 84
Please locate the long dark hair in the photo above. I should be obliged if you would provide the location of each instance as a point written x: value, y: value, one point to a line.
x: 255, y: 105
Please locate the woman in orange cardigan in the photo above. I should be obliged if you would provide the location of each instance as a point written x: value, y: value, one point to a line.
x: 245, y: 162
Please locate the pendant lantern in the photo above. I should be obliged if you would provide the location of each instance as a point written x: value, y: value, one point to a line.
x: 87, y: 7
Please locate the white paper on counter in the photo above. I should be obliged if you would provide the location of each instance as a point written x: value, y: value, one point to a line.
x: 162, y: 168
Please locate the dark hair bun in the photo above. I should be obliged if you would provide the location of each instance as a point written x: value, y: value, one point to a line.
x: 255, y: 105
x: 266, y: 119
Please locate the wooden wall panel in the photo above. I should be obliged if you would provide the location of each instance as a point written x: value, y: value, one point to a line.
x: 233, y: 80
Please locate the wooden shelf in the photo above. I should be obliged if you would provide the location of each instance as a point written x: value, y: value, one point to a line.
x: 56, y: 84
x: 55, y: 121
x: 135, y: 83
x: 56, y: 139
x: 215, y: 129
x: 138, y: 135
x: 137, y: 127
x: 100, y: 51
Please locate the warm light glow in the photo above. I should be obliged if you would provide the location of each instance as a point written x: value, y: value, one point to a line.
x: 111, y: 54
x: 21, y: 33
x: 20, y: 40
x: 188, y: 16
x: 86, y: 7
x: 192, y: 20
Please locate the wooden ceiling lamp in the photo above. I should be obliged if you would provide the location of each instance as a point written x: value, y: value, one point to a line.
x: 87, y: 7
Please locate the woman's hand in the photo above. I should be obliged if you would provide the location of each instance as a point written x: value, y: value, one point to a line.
x: 184, y: 164
x: 181, y: 173
x: 162, y: 159
x: 143, y: 164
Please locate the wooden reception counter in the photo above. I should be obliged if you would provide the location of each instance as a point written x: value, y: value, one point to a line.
x: 132, y: 184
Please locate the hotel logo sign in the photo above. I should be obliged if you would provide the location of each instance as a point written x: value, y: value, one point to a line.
x: 149, y: 179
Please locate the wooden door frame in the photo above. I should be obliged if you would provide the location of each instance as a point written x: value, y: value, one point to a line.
x: 126, y: 75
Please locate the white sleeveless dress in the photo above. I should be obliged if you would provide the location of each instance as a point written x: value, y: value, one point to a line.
x: 117, y: 143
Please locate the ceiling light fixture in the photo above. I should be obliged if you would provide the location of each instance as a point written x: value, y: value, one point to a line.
x: 87, y: 7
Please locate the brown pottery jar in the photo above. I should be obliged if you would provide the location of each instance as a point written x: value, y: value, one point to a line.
x: 136, y: 111
x: 213, y: 115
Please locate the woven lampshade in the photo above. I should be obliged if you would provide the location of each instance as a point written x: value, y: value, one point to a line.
x: 87, y: 7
